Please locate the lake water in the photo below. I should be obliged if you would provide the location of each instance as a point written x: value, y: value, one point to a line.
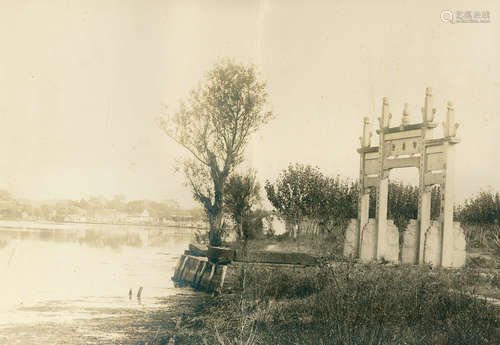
x: 62, y: 275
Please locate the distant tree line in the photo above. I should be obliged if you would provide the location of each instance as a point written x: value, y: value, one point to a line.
x: 12, y: 208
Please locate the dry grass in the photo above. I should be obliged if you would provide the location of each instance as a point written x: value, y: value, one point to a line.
x: 348, y: 304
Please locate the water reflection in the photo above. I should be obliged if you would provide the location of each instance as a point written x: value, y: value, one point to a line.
x: 100, y: 239
x: 96, y: 238
x: 67, y: 274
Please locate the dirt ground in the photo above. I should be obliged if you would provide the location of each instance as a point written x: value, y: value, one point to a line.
x: 125, y: 326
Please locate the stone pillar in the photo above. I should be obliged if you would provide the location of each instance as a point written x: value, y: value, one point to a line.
x: 364, y: 192
x: 368, y: 250
x: 352, y: 241
x: 382, y: 195
x: 383, y: 184
x: 424, y: 217
x: 409, y: 250
x: 447, y: 188
x: 425, y: 193
x: 447, y: 198
x: 433, y: 244
x: 363, y: 213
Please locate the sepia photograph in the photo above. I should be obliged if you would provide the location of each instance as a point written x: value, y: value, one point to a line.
x: 252, y: 172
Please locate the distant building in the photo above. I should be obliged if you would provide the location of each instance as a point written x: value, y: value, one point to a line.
x: 142, y: 218
x: 110, y: 216
x: 78, y: 215
x: 169, y: 222
x: 75, y: 218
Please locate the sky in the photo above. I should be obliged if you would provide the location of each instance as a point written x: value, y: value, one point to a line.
x: 82, y: 82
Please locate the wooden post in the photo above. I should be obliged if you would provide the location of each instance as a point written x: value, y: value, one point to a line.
x: 223, y: 277
x: 197, y: 280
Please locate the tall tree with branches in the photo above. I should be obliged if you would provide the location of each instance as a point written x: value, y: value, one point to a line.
x: 214, y: 125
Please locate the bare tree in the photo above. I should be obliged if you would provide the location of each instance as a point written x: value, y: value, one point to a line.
x: 214, y: 125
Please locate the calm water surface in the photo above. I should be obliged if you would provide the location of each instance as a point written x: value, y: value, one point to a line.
x: 62, y: 275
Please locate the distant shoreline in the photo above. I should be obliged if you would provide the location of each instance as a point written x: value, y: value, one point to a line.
x: 48, y: 225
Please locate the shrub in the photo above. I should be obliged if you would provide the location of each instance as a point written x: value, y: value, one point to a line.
x: 302, y: 192
x: 253, y: 224
x: 484, y: 208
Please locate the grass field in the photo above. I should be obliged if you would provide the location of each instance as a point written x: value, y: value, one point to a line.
x: 349, y: 304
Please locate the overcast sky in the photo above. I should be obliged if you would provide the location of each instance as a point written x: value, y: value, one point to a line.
x: 81, y: 83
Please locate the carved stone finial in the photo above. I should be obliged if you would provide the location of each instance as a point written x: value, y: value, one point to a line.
x: 406, y: 116
x: 450, y: 127
x: 385, y: 119
x: 428, y: 111
x: 367, y: 133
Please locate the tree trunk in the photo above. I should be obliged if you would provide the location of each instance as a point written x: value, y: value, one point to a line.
x: 216, y: 216
x: 240, y: 229
x: 215, y: 234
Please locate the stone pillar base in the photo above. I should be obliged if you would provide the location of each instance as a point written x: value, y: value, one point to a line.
x: 351, y: 242
x: 432, y: 246
x: 409, y: 252
x: 367, y: 237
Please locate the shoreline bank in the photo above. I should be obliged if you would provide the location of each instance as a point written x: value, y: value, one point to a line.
x: 124, y: 326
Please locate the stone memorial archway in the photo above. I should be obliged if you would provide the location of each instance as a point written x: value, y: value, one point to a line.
x: 439, y: 243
